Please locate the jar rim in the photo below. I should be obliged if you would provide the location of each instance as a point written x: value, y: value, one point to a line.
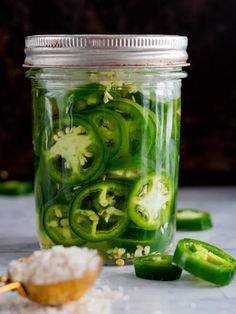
x: 105, y: 50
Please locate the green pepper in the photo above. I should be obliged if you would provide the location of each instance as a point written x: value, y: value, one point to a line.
x: 131, y: 244
x: 192, y: 219
x: 106, y: 220
x: 134, y: 236
x: 84, y: 97
x: 75, y: 152
x: 141, y: 130
x: 134, y: 232
x: 57, y: 225
x: 14, y: 187
x: 150, y: 202
x: 111, y: 127
x: 88, y: 96
x: 205, y: 261
x: 156, y: 267
x: 129, y: 169
x: 156, y: 242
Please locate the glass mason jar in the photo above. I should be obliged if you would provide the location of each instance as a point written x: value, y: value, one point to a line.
x: 106, y: 134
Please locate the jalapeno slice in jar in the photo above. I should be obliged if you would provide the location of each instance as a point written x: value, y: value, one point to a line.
x: 84, y: 97
x: 111, y: 127
x: 131, y: 244
x: 140, y: 128
x: 156, y: 267
x: 205, y: 261
x: 75, y: 152
x: 57, y: 227
x: 150, y: 202
x: 107, y: 219
x: 129, y: 169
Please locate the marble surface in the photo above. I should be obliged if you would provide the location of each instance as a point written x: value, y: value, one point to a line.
x: 185, y: 296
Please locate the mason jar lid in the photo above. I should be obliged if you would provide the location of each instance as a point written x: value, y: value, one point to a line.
x: 105, y: 50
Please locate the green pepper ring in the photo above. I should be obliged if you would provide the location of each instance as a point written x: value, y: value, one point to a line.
x: 142, y: 121
x: 75, y: 208
x: 156, y: 267
x: 138, y: 218
x: 129, y: 169
x: 82, y: 97
x: 205, y: 261
x: 119, y: 132
x: 131, y: 244
x: 55, y: 233
x: 14, y: 187
x: 200, y: 220
x: 98, y: 147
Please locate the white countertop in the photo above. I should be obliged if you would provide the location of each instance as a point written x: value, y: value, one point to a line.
x: 187, y: 295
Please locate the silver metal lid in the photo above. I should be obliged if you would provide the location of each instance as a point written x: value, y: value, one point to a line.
x: 105, y: 50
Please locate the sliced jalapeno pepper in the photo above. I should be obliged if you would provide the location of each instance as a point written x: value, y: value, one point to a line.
x: 156, y: 242
x: 156, y: 267
x: 112, y: 128
x: 131, y: 244
x: 129, y: 169
x: 133, y: 237
x: 192, y: 219
x: 134, y: 232
x: 13, y: 187
x: 141, y: 130
x: 87, y: 96
x: 75, y: 153
x: 57, y: 225
x: 205, y: 261
x: 150, y: 202
x: 107, y: 219
x: 84, y: 97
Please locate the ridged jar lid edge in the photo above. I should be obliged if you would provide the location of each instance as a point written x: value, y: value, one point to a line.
x: 105, y: 50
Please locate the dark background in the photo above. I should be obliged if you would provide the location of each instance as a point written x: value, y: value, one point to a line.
x: 209, y: 93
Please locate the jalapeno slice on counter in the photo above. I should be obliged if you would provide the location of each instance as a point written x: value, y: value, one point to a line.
x: 150, y: 202
x: 205, y: 261
x: 57, y: 227
x: 75, y: 153
x: 193, y: 220
x: 156, y: 267
x: 106, y: 220
x: 14, y: 187
x: 111, y: 127
x: 140, y: 129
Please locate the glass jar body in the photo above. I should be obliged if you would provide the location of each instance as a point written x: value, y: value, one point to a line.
x: 106, y: 145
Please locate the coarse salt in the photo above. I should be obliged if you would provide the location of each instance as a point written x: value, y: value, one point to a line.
x: 99, y: 301
x: 54, y: 265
